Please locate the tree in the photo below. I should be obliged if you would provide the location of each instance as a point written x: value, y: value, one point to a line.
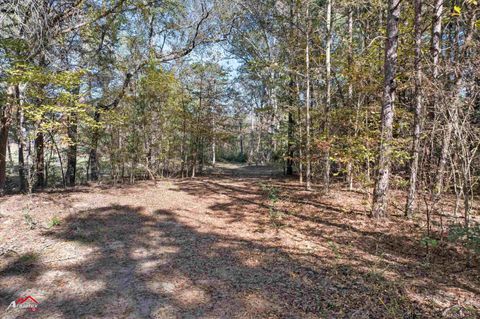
x: 380, y: 196
x: 418, y: 112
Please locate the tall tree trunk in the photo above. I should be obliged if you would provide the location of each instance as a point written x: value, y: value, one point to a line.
x: 72, y: 149
x: 436, y: 37
x: 291, y: 93
x: 40, y: 159
x: 380, y: 195
x: 4, y: 127
x: 308, y: 176
x: 252, y: 139
x: 241, y: 138
x: 214, y: 139
x: 350, y: 88
x: 290, y: 140
x: 410, y: 206
x: 328, y: 102
x: 21, y: 140
x: 183, y: 153
x: 300, y: 137
x: 93, y: 156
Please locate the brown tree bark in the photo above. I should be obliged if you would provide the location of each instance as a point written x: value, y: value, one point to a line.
x: 410, y: 206
x: 72, y: 150
x: 93, y: 156
x: 21, y: 134
x: 308, y: 172
x: 380, y: 195
x: 40, y: 160
x: 328, y: 102
x: 435, y: 51
x: 350, y: 88
x: 4, y: 127
x: 5, y: 118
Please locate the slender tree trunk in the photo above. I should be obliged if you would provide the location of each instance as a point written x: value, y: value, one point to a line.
x: 350, y: 88
x: 21, y: 140
x: 214, y: 151
x: 328, y: 102
x: 252, y: 139
x: 307, y: 104
x: 9, y: 151
x: 436, y: 39
x: 241, y: 138
x: 214, y: 140
x: 435, y: 52
x: 72, y: 150
x: 4, y: 127
x: 300, y: 137
x: 72, y: 147
x: 446, y: 115
x: 21, y: 151
x: 40, y: 159
x: 194, y: 160
x: 290, y: 140
x: 183, y: 154
x: 380, y: 195
x: 291, y: 94
x: 93, y: 156
x: 417, y: 130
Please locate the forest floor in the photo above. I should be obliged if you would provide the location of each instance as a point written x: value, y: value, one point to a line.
x: 242, y: 242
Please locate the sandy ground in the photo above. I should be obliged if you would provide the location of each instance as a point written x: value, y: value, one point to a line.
x: 218, y: 247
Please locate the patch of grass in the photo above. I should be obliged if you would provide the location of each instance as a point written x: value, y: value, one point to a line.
x: 25, y: 263
x: 55, y: 221
x: 28, y: 258
x: 334, y: 249
x: 390, y: 294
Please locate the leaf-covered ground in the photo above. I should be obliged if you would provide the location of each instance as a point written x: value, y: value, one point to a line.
x: 241, y: 243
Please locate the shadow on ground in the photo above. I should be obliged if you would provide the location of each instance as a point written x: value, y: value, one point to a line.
x: 134, y: 263
x: 153, y: 266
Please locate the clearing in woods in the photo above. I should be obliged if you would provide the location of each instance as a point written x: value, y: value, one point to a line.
x: 241, y: 243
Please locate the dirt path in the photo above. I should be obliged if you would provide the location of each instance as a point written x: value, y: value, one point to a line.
x: 214, y: 247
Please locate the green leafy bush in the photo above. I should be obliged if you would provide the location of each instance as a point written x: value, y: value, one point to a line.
x: 469, y: 237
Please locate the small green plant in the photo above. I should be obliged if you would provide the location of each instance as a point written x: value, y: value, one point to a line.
x: 334, y: 248
x: 468, y: 237
x: 55, y: 221
x: 31, y: 223
x: 429, y: 242
x: 28, y: 258
x: 273, y: 196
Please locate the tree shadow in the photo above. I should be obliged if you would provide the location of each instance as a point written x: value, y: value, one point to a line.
x: 136, y: 264
x: 128, y: 262
x: 399, y: 249
x: 25, y: 265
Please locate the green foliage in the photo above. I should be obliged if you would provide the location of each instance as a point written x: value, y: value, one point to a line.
x: 427, y: 241
x: 234, y: 158
x: 55, y: 221
x: 469, y: 237
x: 273, y: 196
